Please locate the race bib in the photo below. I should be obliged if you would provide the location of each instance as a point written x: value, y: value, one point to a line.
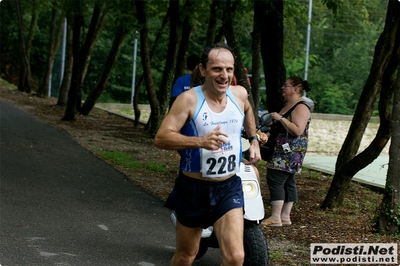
x: 223, y: 161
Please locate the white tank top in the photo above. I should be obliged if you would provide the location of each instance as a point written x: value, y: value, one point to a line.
x: 226, y: 159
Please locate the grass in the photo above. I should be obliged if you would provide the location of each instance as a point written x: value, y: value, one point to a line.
x: 121, y: 159
x: 6, y: 83
x: 130, y: 162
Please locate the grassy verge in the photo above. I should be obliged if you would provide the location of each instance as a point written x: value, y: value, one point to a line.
x: 130, y: 162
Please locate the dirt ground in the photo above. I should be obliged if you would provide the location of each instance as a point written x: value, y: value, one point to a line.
x: 288, y: 245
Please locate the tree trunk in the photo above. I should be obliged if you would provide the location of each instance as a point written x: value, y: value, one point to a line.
x: 101, y: 84
x: 25, y: 83
x: 269, y: 15
x: 171, y: 63
x: 66, y: 81
x: 348, y: 164
x: 54, y: 44
x: 256, y: 65
x: 75, y: 93
x: 145, y: 56
x: 95, y: 26
x: 187, y: 30
x: 212, y: 23
x: 141, y: 79
x: 31, y: 32
x: 389, y: 217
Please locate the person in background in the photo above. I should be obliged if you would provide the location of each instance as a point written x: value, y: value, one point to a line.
x: 184, y: 82
x: 289, y: 151
x: 205, y: 124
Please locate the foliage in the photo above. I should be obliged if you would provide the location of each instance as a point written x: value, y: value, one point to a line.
x: 343, y: 35
x: 341, y: 50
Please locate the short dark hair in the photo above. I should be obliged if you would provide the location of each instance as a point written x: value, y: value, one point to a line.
x: 206, y: 52
x: 192, y: 61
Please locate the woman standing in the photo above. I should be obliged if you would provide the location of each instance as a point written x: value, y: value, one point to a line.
x: 289, y: 151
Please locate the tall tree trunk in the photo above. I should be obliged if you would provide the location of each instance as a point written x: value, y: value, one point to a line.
x: 269, y: 15
x: 256, y: 64
x: 389, y: 216
x: 75, y: 93
x: 31, y: 33
x: 101, y: 84
x: 348, y: 164
x: 212, y: 23
x: 141, y: 79
x: 96, y: 24
x: 54, y: 44
x: 66, y: 81
x: 145, y: 56
x: 170, y: 64
x: 187, y: 30
x: 25, y: 80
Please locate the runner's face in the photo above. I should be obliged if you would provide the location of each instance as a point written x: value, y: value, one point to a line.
x: 220, y: 69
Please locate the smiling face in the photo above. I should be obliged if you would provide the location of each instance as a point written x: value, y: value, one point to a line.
x: 219, y: 70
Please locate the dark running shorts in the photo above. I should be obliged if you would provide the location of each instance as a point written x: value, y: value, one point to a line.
x: 199, y: 203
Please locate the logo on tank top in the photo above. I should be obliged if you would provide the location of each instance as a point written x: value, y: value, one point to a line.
x: 205, y: 116
x: 223, y: 148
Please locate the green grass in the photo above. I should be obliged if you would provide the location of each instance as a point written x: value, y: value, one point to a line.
x: 279, y: 255
x: 121, y: 159
x: 6, y: 83
x: 156, y: 167
x: 129, y: 161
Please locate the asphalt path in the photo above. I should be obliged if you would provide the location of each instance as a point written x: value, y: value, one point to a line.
x: 61, y: 205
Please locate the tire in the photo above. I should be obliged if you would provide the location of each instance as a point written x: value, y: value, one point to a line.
x: 255, y: 245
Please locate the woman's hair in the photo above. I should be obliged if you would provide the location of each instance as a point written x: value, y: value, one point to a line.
x: 297, y: 81
x: 197, y: 79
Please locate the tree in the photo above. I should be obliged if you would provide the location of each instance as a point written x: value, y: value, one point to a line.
x: 388, y: 221
x: 212, y: 23
x: 145, y: 55
x: 75, y: 93
x: 384, y: 65
x: 81, y: 52
x: 54, y: 43
x: 90, y: 101
x: 170, y: 64
x: 269, y: 14
x: 97, y: 21
x: 25, y: 83
x: 256, y: 64
x: 124, y: 19
x: 389, y: 217
x: 186, y: 26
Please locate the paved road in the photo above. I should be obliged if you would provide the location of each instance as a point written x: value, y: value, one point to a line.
x: 61, y: 205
